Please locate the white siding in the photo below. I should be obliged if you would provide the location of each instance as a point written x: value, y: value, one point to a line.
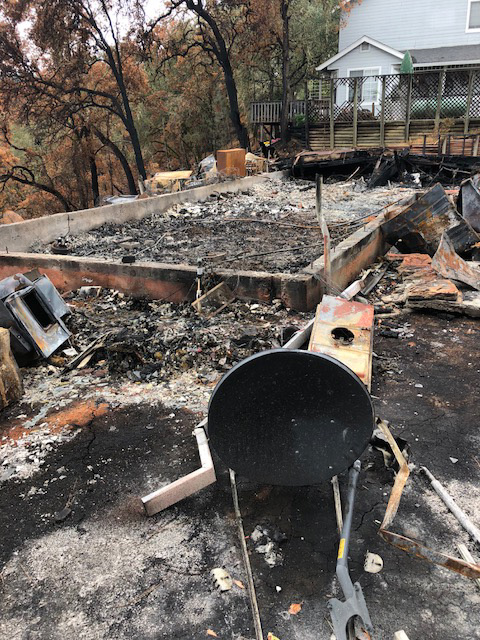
x: 410, y: 24
x: 358, y: 59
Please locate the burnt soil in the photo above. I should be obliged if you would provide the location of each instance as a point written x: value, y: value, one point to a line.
x: 438, y: 422
x: 106, y: 571
x: 116, y: 458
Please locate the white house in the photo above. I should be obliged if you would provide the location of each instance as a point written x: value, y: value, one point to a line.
x: 439, y: 34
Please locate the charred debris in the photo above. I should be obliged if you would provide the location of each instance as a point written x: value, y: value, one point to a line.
x: 380, y: 166
x: 431, y: 264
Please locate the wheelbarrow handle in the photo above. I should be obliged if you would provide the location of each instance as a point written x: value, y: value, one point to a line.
x: 342, y: 557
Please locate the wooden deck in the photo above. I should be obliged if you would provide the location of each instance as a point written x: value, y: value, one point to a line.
x: 271, y: 112
x: 399, y: 108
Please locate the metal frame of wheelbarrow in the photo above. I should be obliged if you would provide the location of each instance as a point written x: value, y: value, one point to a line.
x: 343, y: 613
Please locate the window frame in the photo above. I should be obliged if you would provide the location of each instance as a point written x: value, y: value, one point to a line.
x: 469, y: 29
x: 362, y: 69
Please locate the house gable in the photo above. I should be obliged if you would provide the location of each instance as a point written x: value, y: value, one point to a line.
x: 356, y: 56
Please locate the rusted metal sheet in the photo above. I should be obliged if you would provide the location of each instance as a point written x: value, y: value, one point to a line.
x: 31, y: 308
x: 51, y: 296
x: 463, y: 237
x: 344, y: 330
x: 432, y: 289
x: 46, y: 338
x: 13, y: 283
x: 449, y: 264
x: 469, y: 201
x: 414, y: 547
x: 420, y: 226
x: 410, y: 261
x: 421, y: 281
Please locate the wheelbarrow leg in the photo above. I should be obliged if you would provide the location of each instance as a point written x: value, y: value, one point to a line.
x: 344, y: 613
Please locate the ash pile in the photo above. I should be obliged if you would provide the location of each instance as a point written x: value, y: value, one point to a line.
x: 271, y: 227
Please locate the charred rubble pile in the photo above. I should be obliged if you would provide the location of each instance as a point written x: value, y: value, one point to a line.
x: 271, y: 227
x: 151, y: 340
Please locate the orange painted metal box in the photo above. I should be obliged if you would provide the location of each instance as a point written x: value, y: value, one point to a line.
x: 344, y: 330
x: 231, y: 162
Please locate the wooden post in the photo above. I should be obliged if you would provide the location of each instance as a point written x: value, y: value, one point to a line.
x: 355, y: 111
x: 382, y: 112
x: 409, y: 106
x: 444, y: 144
x: 471, y: 79
x: 438, y: 112
x: 332, y: 113
x: 326, y: 233
x: 307, y: 128
x: 318, y: 197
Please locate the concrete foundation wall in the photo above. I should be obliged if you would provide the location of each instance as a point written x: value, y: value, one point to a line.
x: 157, y: 281
x: 177, y: 282
x: 20, y: 236
x: 355, y: 253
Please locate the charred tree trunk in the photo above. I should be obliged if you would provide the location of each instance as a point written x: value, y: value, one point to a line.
x: 132, y: 187
x: 240, y: 130
x: 115, y: 62
x: 132, y: 130
x: 94, y: 179
x: 285, y: 68
x: 78, y: 163
x: 218, y: 47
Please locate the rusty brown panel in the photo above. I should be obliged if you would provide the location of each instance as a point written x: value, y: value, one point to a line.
x: 337, y: 313
x: 432, y: 289
x: 421, y: 281
x: 411, y: 261
x: 449, y: 264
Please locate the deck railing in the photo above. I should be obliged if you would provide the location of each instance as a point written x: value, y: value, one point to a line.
x: 420, y: 96
x: 271, y: 112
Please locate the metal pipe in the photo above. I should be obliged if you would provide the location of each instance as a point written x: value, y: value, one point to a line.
x: 342, y: 558
x: 459, y: 514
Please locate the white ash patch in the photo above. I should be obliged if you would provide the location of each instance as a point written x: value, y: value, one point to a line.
x: 115, y: 577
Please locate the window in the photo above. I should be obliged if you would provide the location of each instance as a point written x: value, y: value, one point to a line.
x: 368, y: 90
x: 365, y: 46
x: 473, y: 15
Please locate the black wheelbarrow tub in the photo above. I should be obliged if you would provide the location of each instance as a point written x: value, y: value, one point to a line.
x: 290, y: 417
